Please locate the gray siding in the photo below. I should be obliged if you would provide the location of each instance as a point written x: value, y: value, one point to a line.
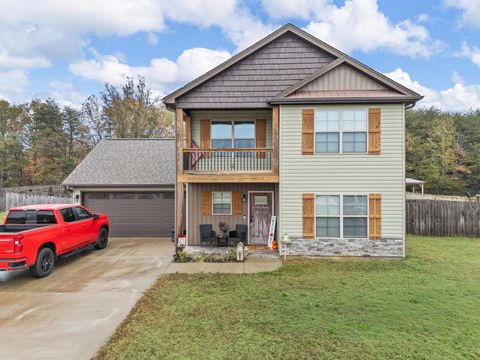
x: 195, y: 216
x: 343, y: 78
x: 343, y: 173
x: 198, y: 115
x: 260, y: 76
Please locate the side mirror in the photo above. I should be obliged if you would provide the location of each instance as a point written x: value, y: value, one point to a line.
x: 96, y: 216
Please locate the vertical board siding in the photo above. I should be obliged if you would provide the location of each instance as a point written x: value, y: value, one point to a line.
x: 198, y: 115
x: 443, y: 218
x: 197, y: 217
x: 343, y: 77
x: 342, y: 173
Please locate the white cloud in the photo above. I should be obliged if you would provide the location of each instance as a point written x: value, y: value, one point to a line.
x: 470, y: 11
x: 33, y: 33
x: 357, y: 25
x: 13, y: 85
x: 161, y: 74
x: 472, y: 53
x: 65, y: 94
x: 459, y: 97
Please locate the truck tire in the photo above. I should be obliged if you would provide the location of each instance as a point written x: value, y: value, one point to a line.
x: 44, y: 264
x: 102, y: 240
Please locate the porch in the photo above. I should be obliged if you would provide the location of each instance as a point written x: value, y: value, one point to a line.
x: 223, y: 214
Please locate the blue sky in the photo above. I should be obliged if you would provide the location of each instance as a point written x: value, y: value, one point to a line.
x: 67, y: 49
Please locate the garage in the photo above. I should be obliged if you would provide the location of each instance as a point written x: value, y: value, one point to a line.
x: 133, y: 182
x: 140, y: 214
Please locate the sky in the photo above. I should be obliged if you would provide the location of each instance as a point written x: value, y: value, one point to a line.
x: 67, y: 49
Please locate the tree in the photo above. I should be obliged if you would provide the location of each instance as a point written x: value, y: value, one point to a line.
x: 133, y: 111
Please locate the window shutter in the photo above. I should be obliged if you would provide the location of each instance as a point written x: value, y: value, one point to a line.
x: 237, y: 204
x: 205, y: 134
x: 207, y: 203
x: 308, y: 206
x: 261, y: 136
x: 374, y: 133
x: 375, y: 216
x: 308, y: 129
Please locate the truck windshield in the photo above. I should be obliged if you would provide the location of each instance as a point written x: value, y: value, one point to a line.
x: 31, y: 217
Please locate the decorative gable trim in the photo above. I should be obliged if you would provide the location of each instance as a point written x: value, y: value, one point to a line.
x: 403, y: 92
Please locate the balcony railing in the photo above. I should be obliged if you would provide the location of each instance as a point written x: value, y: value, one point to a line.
x: 227, y: 160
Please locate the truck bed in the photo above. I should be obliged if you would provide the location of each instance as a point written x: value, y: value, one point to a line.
x: 12, y: 228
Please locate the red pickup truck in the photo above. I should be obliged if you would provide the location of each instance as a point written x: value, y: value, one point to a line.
x: 34, y: 236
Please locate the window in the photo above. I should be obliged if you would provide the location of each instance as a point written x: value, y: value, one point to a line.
x: 68, y: 215
x: 82, y: 214
x: 233, y: 134
x: 327, y: 131
x: 341, y: 216
x: 355, y: 131
x: 31, y: 217
x: 341, y: 131
x: 221, y: 203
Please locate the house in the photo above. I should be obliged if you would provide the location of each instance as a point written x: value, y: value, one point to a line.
x: 293, y: 127
x: 133, y: 182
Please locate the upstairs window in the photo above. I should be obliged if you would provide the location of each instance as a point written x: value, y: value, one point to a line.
x: 340, y: 131
x: 233, y: 134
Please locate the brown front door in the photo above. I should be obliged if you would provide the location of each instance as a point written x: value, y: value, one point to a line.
x: 261, y: 211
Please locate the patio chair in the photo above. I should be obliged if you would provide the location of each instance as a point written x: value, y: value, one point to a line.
x: 239, y: 235
x: 207, y: 234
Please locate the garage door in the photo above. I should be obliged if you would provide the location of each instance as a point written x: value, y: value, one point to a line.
x: 135, y: 213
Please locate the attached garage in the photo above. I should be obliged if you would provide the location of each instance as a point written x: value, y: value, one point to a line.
x: 132, y: 181
x: 140, y: 214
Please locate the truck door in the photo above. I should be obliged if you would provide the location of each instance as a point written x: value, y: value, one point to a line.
x: 88, y: 224
x: 73, y: 229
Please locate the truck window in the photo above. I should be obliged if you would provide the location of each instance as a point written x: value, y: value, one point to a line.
x: 16, y: 217
x: 31, y: 217
x: 68, y: 215
x: 82, y: 214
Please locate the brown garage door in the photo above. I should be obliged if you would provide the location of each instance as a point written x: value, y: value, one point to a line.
x: 135, y: 213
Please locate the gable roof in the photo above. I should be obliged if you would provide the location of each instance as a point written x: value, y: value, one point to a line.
x: 126, y: 162
x: 344, y: 80
x: 226, y: 87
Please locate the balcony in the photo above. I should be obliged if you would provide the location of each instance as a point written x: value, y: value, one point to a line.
x: 207, y: 161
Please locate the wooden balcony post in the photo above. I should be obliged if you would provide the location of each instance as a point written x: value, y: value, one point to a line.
x: 179, y: 191
x: 275, y: 139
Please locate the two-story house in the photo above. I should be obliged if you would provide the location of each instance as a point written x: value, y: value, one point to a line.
x: 295, y: 128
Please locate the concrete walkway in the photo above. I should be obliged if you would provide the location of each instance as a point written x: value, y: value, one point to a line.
x: 251, y: 265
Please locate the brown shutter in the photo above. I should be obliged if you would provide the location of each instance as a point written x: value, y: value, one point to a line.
x: 308, y: 131
x: 261, y: 136
x: 375, y: 216
x: 237, y: 204
x: 308, y: 205
x: 374, y: 133
x: 206, y: 203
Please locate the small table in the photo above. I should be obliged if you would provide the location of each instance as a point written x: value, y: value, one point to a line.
x: 222, y: 240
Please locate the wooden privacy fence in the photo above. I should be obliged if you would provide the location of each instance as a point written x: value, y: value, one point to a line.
x: 443, y: 217
x: 22, y: 199
x: 51, y: 190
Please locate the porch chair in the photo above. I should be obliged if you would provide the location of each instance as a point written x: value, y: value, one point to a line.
x: 207, y: 234
x: 239, y: 235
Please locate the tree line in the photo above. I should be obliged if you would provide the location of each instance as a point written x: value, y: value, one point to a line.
x: 41, y: 142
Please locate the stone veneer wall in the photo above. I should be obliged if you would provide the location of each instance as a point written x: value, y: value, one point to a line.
x: 346, y: 247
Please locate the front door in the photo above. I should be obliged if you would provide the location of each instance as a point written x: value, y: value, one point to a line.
x: 261, y: 211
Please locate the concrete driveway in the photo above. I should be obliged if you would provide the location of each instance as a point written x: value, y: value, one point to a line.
x: 72, y: 312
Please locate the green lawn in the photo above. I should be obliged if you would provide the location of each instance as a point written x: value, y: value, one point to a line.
x: 425, y: 307
x: 2, y: 216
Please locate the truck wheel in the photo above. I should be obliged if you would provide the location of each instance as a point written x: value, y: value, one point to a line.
x: 44, y: 264
x: 102, y: 239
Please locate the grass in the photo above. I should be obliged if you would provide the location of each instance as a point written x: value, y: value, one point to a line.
x: 424, y: 307
x: 2, y: 216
